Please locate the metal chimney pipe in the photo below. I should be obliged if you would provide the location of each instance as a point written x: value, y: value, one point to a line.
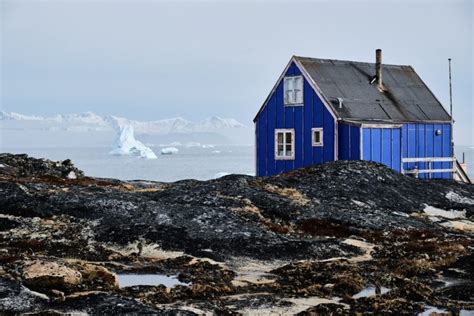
x: 378, y: 66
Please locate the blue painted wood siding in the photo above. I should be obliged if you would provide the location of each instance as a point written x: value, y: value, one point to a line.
x: 349, y: 142
x: 276, y: 115
x: 420, y: 140
x: 412, y: 140
x: 382, y: 145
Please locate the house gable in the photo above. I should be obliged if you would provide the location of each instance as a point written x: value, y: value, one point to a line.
x: 294, y: 62
x: 274, y: 114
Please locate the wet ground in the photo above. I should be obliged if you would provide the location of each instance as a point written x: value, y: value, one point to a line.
x: 340, y: 238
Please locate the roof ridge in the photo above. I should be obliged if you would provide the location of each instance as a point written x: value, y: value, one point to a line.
x: 346, y: 61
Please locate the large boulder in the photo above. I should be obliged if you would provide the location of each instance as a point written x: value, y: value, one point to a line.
x: 40, y: 274
x: 98, y: 276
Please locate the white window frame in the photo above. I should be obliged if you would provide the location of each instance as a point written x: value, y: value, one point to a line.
x: 313, y: 140
x: 293, y: 101
x: 284, y: 156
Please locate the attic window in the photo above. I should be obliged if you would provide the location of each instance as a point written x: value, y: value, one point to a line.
x: 284, y: 144
x: 293, y: 90
x: 317, y: 136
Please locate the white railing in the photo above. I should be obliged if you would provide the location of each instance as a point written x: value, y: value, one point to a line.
x: 430, y: 161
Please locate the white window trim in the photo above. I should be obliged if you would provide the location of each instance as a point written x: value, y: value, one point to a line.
x: 320, y: 130
x: 285, y: 130
x: 285, y: 100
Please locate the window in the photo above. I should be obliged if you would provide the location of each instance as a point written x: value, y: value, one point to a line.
x: 293, y: 90
x: 284, y: 144
x: 317, y: 136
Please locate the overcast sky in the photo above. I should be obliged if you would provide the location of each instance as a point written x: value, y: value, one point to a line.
x: 155, y: 59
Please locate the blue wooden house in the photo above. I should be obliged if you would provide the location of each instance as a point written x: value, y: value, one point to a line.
x: 323, y: 110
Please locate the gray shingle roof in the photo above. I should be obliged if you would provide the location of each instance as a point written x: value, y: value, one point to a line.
x: 405, y: 97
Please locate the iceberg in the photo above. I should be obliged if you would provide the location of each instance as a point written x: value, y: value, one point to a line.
x: 126, y: 144
x: 169, y: 151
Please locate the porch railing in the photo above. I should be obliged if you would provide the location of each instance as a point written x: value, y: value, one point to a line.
x: 429, y: 161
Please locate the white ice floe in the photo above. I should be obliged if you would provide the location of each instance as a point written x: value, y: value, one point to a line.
x: 169, y: 151
x: 126, y: 144
x: 216, y: 151
x: 208, y: 146
x: 193, y: 144
x: 221, y: 174
x: 453, y: 196
x: 437, y: 212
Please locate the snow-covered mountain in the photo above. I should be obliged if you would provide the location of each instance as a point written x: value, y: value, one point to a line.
x: 89, y: 121
x: 90, y: 129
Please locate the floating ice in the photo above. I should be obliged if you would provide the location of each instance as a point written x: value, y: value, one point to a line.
x: 169, y: 151
x: 193, y: 144
x: 126, y: 144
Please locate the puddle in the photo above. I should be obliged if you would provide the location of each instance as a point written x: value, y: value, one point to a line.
x: 448, y: 282
x: 370, y: 291
x: 255, y: 277
x: 149, y: 279
x: 431, y: 309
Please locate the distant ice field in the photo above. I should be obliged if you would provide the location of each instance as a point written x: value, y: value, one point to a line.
x: 189, y: 163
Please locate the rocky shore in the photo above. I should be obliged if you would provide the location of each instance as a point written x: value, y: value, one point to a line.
x: 340, y: 238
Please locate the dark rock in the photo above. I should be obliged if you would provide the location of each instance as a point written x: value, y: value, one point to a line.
x: 24, y: 166
x: 295, y: 220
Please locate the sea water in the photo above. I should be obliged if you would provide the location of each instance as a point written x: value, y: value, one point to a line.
x: 198, y: 162
x: 189, y: 163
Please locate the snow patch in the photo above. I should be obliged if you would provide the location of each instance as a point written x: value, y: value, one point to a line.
x: 370, y: 291
x: 150, y: 251
x: 454, y: 197
x: 169, y: 151
x: 164, y: 126
x: 221, y: 174
x: 463, y: 225
x: 400, y: 214
x: 71, y: 175
x: 451, y: 214
x: 37, y: 294
x: 126, y: 144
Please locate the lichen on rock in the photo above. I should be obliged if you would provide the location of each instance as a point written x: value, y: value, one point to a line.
x: 301, y: 242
